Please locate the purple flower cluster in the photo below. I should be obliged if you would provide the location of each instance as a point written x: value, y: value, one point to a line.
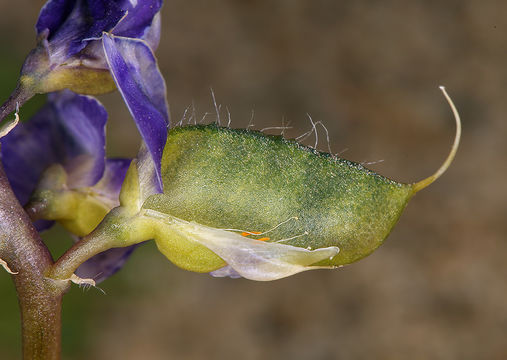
x: 86, y: 45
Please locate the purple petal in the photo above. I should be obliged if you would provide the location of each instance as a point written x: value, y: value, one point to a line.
x: 27, y: 151
x: 68, y: 130
x: 42, y: 225
x: 70, y: 24
x: 87, y: 19
x: 108, y: 188
x: 83, y: 119
x: 115, y: 172
x: 152, y: 33
x: 136, y: 74
x: 105, y: 264
x: 226, y: 271
x: 53, y: 14
x: 140, y: 17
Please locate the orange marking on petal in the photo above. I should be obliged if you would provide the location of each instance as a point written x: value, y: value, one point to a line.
x: 264, y: 239
x: 248, y: 233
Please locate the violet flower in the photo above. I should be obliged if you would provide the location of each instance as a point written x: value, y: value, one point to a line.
x: 56, y: 163
x: 69, y: 52
x: 68, y: 127
x: 93, y: 47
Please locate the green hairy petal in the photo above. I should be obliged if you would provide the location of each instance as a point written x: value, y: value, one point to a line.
x: 237, y: 179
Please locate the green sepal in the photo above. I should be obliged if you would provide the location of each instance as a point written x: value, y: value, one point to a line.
x: 171, y: 241
x: 239, y: 179
x: 40, y: 76
x: 193, y: 246
x: 77, y: 210
x: 174, y: 240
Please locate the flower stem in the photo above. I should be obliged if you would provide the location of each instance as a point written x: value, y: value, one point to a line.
x: 28, y: 258
x: 120, y: 228
x: 41, y: 319
x: 84, y: 249
x: 19, y: 96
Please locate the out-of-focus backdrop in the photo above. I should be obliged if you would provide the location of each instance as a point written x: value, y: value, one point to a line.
x: 369, y: 70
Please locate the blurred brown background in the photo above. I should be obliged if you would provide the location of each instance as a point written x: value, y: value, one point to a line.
x: 370, y: 71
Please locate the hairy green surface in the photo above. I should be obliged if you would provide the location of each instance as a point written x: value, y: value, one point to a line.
x: 239, y: 179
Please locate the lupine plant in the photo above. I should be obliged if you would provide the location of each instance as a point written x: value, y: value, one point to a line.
x: 228, y: 202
